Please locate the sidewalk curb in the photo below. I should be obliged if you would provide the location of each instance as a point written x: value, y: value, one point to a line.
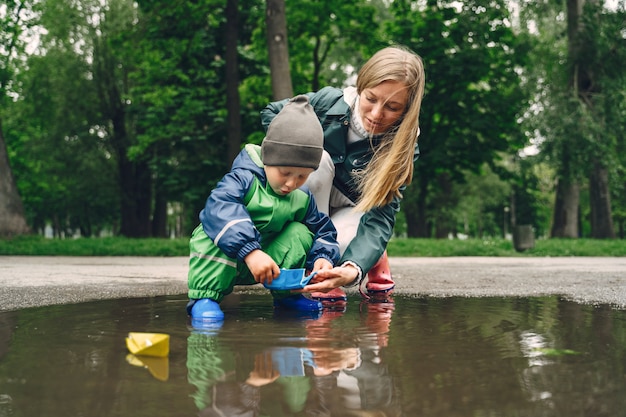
x: 28, y: 281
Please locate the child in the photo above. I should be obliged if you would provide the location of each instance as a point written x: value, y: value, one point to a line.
x: 258, y: 220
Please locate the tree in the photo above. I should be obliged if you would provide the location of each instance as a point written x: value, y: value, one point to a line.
x: 597, y: 61
x: 232, y: 79
x: 334, y: 38
x: 278, y: 49
x: 566, y: 209
x: 571, y: 112
x: 12, y: 220
x: 66, y: 178
x: 185, y: 94
x: 473, y: 98
x: 111, y: 69
x: 15, y: 18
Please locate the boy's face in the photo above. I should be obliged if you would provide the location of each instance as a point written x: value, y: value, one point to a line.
x: 284, y: 180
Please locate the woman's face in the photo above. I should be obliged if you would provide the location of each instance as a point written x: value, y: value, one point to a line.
x: 382, y: 106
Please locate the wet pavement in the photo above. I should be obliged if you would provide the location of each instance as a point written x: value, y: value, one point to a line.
x: 27, y: 281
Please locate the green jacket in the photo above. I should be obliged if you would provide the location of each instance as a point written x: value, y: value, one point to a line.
x: 376, y: 226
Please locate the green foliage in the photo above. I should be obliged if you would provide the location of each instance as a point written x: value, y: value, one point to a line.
x: 502, y: 247
x: 18, y: 21
x: 401, y: 247
x: 578, y: 247
x: 482, y: 201
x: 577, y: 83
x: 178, y: 96
x: 333, y: 37
x: 533, y: 185
x: 122, y: 109
x: 552, y: 352
x: 54, y: 136
x: 472, y: 100
x: 114, y: 246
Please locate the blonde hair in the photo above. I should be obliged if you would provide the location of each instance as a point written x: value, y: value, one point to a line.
x: 391, y: 166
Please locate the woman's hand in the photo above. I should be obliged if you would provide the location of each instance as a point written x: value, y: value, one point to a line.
x: 262, y: 266
x: 263, y: 372
x: 329, y: 279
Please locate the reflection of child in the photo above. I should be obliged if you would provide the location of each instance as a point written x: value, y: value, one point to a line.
x: 257, y: 219
x: 279, y: 382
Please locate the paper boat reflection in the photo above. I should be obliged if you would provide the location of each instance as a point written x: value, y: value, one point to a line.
x: 290, y: 279
x: 148, y: 344
x: 158, y: 367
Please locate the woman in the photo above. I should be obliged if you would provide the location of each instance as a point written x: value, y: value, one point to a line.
x: 370, y: 142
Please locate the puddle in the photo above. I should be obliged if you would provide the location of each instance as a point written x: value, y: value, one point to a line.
x: 416, y: 357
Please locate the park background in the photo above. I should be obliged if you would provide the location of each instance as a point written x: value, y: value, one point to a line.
x: 117, y: 117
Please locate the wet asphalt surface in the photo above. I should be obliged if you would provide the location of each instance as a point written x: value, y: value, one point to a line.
x: 27, y: 281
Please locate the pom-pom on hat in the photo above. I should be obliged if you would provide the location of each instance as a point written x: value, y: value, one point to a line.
x: 295, y: 137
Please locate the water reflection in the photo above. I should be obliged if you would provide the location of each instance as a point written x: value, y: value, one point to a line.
x: 313, y: 366
x: 412, y: 357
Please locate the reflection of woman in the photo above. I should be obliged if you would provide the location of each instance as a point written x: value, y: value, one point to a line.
x: 370, y: 142
x: 354, y: 380
x: 375, y: 388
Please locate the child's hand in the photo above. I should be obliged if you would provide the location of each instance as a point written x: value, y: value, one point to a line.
x: 320, y: 264
x: 262, y: 266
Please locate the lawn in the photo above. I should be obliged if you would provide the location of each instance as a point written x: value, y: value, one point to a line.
x: 119, y: 246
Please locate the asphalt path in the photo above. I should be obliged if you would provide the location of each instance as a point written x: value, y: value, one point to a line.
x: 27, y: 281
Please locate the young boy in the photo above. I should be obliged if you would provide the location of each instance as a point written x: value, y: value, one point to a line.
x: 258, y: 220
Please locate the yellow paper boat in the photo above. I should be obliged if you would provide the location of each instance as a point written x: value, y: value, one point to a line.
x: 148, y: 344
x: 158, y: 367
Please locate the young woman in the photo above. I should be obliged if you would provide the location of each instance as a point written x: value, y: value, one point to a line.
x: 370, y: 143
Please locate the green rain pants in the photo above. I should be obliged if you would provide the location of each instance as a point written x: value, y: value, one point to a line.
x: 213, y: 275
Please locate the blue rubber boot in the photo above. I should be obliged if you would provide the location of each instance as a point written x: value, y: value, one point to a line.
x: 206, y: 310
x: 297, y: 302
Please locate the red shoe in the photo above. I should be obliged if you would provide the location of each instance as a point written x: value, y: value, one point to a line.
x: 379, y: 281
x: 333, y: 298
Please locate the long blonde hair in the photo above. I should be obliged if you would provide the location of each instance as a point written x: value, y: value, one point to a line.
x: 391, y: 166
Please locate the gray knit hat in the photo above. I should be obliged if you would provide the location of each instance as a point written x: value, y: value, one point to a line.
x: 295, y: 137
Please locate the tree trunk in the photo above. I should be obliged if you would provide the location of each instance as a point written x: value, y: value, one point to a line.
x: 159, y: 216
x: 12, y: 220
x: 414, y: 209
x: 565, y: 220
x: 444, y: 223
x: 134, y: 181
x: 277, y: 46
x: 136, y: 198
x: 566, y: 206
x: 410, y: 214
x: 232, y: 80
x: 600, y: 201
x: 587, y: 89
x: 134, y: 177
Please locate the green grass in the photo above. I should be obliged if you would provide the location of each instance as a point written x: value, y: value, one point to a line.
x: 501, y: 247
x: 109, y: 246
x: 119, y: 246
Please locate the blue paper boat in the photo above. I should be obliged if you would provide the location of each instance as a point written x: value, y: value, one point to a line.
x: 290, y: 279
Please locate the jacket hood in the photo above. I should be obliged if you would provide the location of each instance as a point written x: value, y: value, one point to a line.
x: 250, y: 159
